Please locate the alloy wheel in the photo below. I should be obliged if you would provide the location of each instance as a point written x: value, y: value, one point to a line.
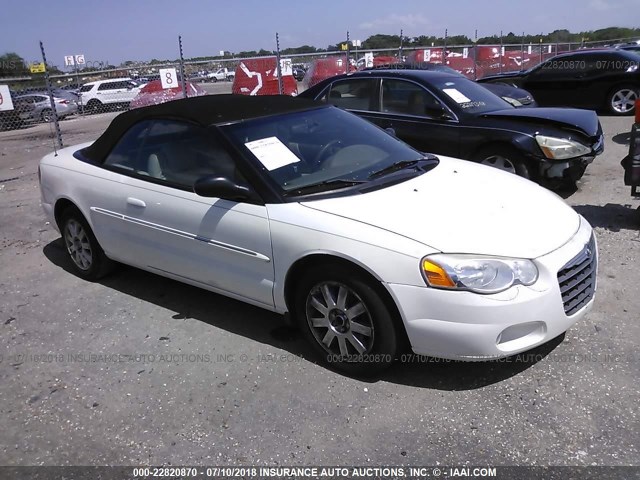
x: 500, y: 162
x: 339, y: 319
x: 623, y: 101
x: 78, y: 245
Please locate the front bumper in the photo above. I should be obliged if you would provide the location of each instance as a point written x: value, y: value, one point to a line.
x: 570, y: 170
x: 462, y: 325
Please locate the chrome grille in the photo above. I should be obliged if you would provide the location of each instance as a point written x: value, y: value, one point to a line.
x: 577, y: 279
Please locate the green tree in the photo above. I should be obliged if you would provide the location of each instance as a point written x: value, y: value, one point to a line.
x: 12, y: 65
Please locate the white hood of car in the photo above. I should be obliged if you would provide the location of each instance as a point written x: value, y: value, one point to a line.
x: 462, y: 207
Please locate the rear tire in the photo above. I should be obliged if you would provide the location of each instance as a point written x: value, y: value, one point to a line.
x: 621, y: 100
x: 94, y: 106
x: 343, y: 316
x: 46, y: 115
x: 86, y: 255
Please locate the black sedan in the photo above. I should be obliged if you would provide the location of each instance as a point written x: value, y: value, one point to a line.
x: 607, y: 80
x: 451, y: 115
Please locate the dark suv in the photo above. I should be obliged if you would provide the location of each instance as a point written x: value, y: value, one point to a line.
x: 606, y: 80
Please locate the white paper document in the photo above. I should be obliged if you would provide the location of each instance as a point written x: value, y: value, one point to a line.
x: 272, y: 153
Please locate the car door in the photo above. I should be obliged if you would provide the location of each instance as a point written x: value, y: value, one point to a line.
x: 387, y: 103
x: 416, y: 116
x: 556, y: 82
x: 165, y: 227
x: 115, y: 92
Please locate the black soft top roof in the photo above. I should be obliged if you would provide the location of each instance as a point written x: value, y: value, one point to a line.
x: 206, y: 110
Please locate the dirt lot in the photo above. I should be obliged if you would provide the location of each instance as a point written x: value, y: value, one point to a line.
x: 137, y: 369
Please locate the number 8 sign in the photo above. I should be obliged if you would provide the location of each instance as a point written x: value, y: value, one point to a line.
x: 168, y: 78
x: 5, y: 98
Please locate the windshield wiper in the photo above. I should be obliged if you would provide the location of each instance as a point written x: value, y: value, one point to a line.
x: 325, y: 185
x: 425, y: 163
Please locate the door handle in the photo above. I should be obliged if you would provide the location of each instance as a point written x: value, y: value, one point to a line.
x: 136, y: 202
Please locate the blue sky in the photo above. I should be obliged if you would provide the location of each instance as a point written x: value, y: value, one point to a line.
x: 116, y: 30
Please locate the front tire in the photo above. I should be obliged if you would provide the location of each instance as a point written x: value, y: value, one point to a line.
x: 87, y: 257
x: 343, y: 316
x: 505, y: 159
x: 622, y: 100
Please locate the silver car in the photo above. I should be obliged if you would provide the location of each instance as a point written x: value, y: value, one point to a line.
x: 42, y: 107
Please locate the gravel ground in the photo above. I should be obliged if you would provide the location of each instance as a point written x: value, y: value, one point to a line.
x: 214, y: 381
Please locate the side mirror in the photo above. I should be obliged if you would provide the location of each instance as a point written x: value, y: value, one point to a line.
x: 390, y: 131
x: 438, y: 111
x: 221, y: 187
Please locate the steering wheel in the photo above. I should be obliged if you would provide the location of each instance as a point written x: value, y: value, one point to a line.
x: 326, y: 151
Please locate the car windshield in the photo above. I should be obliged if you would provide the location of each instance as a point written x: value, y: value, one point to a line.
x: 467, y: 96
x: 325, y: 146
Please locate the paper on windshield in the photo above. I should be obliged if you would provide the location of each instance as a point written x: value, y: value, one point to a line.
x: 456, y: 95
x: 272, y: 153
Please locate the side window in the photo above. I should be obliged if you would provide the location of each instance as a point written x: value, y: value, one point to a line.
x: 355, y: 94
x: 174, y: 152
x: 399, y: 96
x: 86, y: 88
x: 110, y: 86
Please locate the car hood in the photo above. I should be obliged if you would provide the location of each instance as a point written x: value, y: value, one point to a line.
x: 586, y: 121
x: 462, y: 207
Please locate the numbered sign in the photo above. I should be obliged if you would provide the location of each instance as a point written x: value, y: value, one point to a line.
x: 169, y: 78
x: 465, y: 52
x: 426, y: 54
x: 79, y: 59
x: 5, y: 98
x: 69, y: 61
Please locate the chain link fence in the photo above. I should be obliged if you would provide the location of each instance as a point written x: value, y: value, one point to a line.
x: 37, y: 103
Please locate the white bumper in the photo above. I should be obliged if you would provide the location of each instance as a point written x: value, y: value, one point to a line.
x: 467, y: 326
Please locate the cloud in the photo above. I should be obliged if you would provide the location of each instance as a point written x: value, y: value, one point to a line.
x: 400, y: 21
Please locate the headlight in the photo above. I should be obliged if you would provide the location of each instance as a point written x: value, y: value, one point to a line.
x: 513, y: 101
x: 477, y: 273
x: 561, y: 148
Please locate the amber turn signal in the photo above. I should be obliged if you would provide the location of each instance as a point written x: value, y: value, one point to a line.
x: 435, y: 274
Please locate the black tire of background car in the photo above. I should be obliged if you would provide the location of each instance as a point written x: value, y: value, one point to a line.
x: 101, y: 265
x: 230, y: 78
x: 520, y: 164
x: 386, y: 340
x: 613, y: 92
x: 215, y: 80
x: 46, y: 115
x: 94, y: 106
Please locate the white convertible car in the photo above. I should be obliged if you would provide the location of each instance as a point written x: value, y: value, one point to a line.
x: 312, y: 212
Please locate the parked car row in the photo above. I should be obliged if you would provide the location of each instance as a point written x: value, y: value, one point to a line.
x: 34, y: 107
x: 445, y: 113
